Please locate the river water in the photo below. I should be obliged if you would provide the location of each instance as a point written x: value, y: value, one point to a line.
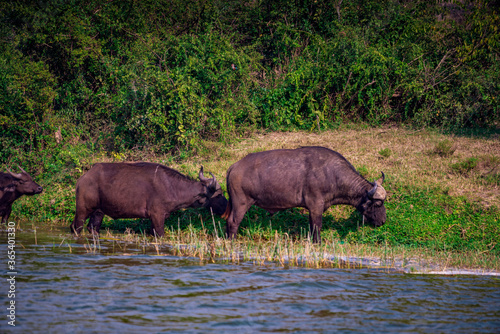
x: 63, y: 289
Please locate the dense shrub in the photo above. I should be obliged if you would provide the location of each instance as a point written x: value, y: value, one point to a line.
x: 165, y: 75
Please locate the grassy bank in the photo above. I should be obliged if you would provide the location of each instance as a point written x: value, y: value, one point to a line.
x: 178, y: 82
x: 443, y: 201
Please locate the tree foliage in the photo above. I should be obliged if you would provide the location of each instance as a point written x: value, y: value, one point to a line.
x: 165, y: 75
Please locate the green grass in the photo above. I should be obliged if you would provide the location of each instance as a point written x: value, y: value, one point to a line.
x: 465, y: 167
x: 444, y: 148
x: 385, y: 153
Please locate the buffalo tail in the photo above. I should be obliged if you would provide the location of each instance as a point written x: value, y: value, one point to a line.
x: 226, y: 214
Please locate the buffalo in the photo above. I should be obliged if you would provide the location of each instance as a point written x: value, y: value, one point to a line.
x: 13, y: 186
x: 141, y: 190
x: 314, y: 178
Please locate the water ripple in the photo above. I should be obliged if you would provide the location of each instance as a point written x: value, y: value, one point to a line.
x: 78, y: 292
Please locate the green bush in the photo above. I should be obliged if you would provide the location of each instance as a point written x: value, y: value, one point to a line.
x: 166, y: 75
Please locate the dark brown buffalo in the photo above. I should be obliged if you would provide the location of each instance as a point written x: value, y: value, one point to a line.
x: 314, y: 178
x: 13, y: 186
x: 141, y: 190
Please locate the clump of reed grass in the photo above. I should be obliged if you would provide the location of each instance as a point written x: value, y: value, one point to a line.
x: 486, y: 168
x: 466, y: 166
x: 285, y: 251
x: 445, y: 148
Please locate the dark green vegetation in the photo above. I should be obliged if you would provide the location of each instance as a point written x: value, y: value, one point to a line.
x: 165, y: 75
x: 83, y: 81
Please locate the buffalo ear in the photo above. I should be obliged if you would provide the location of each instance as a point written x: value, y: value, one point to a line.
x: 8, y: 188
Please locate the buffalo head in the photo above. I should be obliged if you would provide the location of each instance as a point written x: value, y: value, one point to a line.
x: 24, y: 184
x: 214, y: 197
x: 372, y: 206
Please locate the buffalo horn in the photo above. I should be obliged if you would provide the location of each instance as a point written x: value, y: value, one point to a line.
x: 372, y: 191
x: 21, y: 168
x: 381, y: 180
x: 203, y: 178
x: 16, y: 175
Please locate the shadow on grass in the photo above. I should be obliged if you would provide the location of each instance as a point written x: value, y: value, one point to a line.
x: 257, y: 223
x: 484, y: 133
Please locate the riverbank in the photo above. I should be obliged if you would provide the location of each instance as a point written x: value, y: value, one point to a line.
x: 443, y: 200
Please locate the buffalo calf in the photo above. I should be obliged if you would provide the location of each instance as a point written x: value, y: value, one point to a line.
x: 13, y: 186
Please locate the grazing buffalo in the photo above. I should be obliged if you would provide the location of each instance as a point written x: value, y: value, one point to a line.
x: 314, y: 178
x: 13, y: 186
x: 141, y: 190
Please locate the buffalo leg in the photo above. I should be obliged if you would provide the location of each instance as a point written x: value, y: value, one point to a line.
x: 6, y: 214
x: 234, y: 220
x: 158, y: 224
x: 315, y: 222
x: 78, y: 222
x: 95, y: 222
x: 81, y: 216
x: 231, y: 228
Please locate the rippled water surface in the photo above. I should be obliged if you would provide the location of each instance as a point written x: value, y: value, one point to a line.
x: 62, y: 290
